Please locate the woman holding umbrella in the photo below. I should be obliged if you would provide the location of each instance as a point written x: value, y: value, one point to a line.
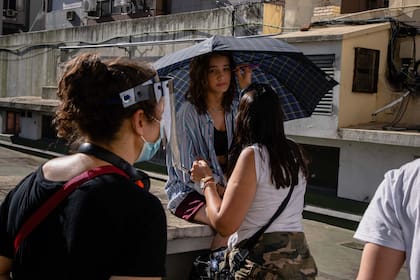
x: 205, y: 128
x: 265, y: 170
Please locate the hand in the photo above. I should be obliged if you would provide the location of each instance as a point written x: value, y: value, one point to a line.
x: 200, y: 169
x: 244, y: 74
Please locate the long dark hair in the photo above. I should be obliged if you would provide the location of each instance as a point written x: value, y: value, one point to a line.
x: 197, y: 91
x: 260, y: 121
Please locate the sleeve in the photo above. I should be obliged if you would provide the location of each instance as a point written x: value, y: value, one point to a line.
x: 9, y: 220
x: 380, y: 224
x: 188, y: 144
x: 6, y: 240
x: 187, y: 134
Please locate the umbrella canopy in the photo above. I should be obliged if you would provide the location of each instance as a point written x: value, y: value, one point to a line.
x: 298, y: 81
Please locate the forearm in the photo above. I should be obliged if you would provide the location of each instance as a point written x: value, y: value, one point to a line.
x: 5, y: 268
x: 213, y: 203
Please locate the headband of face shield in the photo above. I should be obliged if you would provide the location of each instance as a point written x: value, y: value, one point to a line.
x: 153, y: 89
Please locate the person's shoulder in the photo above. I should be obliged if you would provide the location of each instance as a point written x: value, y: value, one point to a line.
x: 187, y: 108
x: 188, y: 113
x: 63, y: 168
x: 248, y: 153
x: 412, y: 166
x: 408, y: 169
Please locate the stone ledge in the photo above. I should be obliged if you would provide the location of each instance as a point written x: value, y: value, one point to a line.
x: 397, y: 138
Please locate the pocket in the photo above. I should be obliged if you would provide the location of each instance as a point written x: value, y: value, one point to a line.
x: 281, y: 255
x: 288, y: 271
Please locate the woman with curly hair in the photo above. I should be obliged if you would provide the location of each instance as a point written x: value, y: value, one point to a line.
x: 101, y: 229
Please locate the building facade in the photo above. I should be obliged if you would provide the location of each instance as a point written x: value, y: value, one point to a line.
x: 363, y: 127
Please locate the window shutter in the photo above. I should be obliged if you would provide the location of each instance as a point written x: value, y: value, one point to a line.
x: 326, y: 64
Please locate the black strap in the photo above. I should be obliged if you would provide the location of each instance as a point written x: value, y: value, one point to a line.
x: 250, y: 243
x: 108, y: 156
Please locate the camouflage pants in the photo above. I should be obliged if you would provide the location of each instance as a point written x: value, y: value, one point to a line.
x: 276, y: 256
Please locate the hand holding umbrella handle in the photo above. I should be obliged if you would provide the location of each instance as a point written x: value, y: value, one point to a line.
x: 244, y: 74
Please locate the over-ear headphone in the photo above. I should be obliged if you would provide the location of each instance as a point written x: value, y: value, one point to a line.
x: 139, y: 177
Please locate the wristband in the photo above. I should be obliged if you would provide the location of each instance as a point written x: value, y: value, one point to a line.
x: 204, y: 181
x: 207, y: 184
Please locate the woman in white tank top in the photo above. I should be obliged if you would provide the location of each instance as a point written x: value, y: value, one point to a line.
x: 263, y: 165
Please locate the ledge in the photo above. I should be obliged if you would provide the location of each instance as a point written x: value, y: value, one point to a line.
x: 396, y: 138
x: 32, y: 103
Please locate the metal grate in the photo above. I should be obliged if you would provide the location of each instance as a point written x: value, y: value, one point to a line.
x: 326, y: 63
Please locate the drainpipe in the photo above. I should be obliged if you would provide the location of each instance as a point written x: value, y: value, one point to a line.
x: 233, y: 22
x: 1, y: 17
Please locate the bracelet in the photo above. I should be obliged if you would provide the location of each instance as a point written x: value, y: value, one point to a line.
x: 205, y: 180
x: 207, y: 184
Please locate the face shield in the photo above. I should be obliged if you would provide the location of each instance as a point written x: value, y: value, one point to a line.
x: 158, y: 88
x: 153, y: 89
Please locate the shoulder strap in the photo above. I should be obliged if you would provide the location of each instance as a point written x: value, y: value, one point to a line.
x: 250, y: 243
x: 42, y: 212
x: 138, y: 176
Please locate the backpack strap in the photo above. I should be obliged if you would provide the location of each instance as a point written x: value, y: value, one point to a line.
x: 51, y: 203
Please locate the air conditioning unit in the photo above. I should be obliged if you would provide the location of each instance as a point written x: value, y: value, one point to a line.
x: 89, y: 5
x: 11, y: 13
x: 122, y: 3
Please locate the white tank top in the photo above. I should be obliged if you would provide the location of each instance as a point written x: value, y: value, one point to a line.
x: 267, y: 200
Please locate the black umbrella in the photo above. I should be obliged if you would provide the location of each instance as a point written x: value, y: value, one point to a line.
x: 299, y: 82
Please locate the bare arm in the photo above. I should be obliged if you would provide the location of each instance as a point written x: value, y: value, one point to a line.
x: 380, y: 263
x: 226, y: 216
x: 5, y: 268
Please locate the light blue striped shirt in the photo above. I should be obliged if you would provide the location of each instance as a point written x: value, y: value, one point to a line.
x: 196, y: 140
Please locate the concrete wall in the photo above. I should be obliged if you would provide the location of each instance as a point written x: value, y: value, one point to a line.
x: 357, y: 107
x: 273, y: 18
x: 316, y: 125
x: 31, y: 126
x: 297, y: 13
x: 401, y: 3
x: 362, y: 165
x: 29, y: 61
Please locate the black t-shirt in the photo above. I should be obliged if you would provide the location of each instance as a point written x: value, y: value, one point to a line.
x: 108, y: 226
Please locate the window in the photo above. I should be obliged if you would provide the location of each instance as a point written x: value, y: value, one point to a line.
x: 366, y: 67
x: 354, y: 6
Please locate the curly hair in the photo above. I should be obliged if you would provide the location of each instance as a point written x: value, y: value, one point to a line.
x: 260, y: 121
x: 89, y: 94
x: 198, y: 87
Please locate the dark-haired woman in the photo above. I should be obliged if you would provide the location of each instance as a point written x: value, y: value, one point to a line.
x: 267, y: 165
x: 205, y: 128
x: 109, y: 227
